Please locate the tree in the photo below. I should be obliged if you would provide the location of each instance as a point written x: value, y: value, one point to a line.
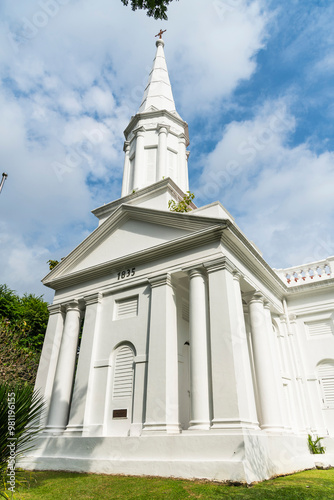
x: 154, y: 8
x: 183, y: 205
x: 18, y: 361
x: 29, y: 314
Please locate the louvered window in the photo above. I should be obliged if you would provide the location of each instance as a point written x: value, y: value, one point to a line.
x: 316, y: 328
x: 185, y: 311
x: 123, y: 373
x: 127, y: 308
x: 326, y: 380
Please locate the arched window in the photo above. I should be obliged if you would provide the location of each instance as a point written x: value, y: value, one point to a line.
x: 123, y: 373
x: 326, y: 381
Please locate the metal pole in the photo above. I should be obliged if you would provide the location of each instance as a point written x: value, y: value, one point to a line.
x: 4, y: 177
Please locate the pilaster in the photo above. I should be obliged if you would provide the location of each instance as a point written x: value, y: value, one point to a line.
x: 162, y: 405
x: 232, y: 389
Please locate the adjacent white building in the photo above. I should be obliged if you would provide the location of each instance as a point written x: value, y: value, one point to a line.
x: 196, y: 358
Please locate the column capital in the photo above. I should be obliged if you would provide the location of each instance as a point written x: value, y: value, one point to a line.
x: 220, y: 264
x: 292, y: 318
x: 182, y: 139
x: 255, y: 297
x: 282, y: 319
x: 237, y: 275
x: 266, y: 305
x: 139, y: 132
x: 161, y: 280
x: 194, y: 270
x: 126, y: 147
x: 74, y: 305
x: 163, y: 128
x: 55, y: 308
x: 93, y: 298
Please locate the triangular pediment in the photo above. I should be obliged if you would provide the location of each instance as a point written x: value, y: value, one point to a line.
x: 130, y: 230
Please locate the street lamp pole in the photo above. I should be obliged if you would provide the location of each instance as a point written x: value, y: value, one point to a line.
x: 4, y: 177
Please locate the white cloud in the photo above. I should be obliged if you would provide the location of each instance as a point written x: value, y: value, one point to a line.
x: 72, y: 74
x: 281, y: 195
x: 215, y: 48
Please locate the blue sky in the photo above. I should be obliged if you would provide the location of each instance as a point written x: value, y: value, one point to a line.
x: 254, y: 80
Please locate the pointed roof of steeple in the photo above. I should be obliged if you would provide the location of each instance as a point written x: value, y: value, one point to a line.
x: 158, y: 93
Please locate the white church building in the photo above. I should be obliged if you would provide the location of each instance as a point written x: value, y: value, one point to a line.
x: 196, y: 358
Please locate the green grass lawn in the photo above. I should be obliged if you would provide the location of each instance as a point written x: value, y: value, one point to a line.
x: 317, y: 484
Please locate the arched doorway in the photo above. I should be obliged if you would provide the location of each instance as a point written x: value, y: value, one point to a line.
x: 120, y: 391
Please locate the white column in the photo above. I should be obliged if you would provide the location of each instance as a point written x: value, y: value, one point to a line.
x: 80, y: 398
x: 162, y: 404
x: 139, y: 159
x: 48, y: 360
x: 245, y: 385
x: 183, y: 180
x: 298, y: 410
x: 274, y: 351
x: 233, y: 399
x: 307, y: 402
x: 162, y: 153
x: 126, y: 173
x: 265, y: 375
x: 63, y: 383
x: 199, y: 372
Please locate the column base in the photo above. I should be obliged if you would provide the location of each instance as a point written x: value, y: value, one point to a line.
x: 273, y: 428
x: 221, y: 423
x: 54, y: 430
x: 195, y: 425
x: 74, y: 430
x: 162, y: 427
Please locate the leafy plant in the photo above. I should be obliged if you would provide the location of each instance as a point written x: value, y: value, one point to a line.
x: 154, y: 8
x: 52, y: 263
x: 183, y: 205
x: 315, y: 446
x: 21, y: 409
x: 18, y: 361
x: 28, y: 314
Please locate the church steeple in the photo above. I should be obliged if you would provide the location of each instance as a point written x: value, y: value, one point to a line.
x: 156, y: 137
x: 158, y: 93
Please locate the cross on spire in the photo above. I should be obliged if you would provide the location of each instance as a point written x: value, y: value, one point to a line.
x: 160, y: 33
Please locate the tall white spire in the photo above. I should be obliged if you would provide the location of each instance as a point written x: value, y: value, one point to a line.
x: 156, y: 138
x: 158, y: 93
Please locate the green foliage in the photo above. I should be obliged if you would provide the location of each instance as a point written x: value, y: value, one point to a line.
x: 183, y: 205
x: 9, y: 304
x: 154, y: 8
x: 52, y: 263
x: 18, y: 362
x: 21, y: 409
x: 28, y: 314
x: 315, y: 446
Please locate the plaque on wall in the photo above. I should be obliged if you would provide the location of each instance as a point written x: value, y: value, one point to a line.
x: 120, y: 413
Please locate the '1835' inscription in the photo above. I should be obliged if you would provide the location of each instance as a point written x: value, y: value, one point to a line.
x: 127, y: 273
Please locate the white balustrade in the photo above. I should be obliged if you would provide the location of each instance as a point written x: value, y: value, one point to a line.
x: 307, y: 273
